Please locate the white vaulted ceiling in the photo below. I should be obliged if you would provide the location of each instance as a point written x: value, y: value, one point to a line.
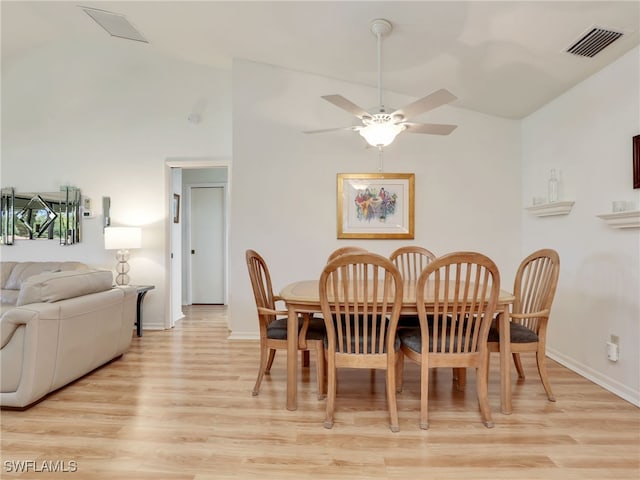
x: 500, y: 58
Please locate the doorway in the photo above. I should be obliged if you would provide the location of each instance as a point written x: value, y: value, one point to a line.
x: 181, y: 173
x: 206, y: 244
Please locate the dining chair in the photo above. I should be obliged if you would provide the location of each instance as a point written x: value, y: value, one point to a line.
x: 410, y: 261
x: 273, y: 324
x: 534, y: 288
x: 342, y: 250
x: 361, y: 297
x: 461, y: 291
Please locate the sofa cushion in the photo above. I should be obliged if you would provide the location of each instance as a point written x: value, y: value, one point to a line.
x: 53, y: 287
x: 23, y: 270
x: 8, y: 297
x: 5, y: 272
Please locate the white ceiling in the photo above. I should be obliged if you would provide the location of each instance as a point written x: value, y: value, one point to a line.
x: 501, y: 58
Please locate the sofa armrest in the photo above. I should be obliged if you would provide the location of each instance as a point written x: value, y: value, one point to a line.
x: 29, y: 339
x: 48, y: 345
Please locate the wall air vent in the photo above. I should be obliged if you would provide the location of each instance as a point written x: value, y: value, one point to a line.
x: 596, y: 40
x: 115, y: 24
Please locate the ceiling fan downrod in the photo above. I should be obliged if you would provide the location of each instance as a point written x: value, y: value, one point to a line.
x: 380, y: 27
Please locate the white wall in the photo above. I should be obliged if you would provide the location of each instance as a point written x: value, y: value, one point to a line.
x: 105, y: 117
x: 283, y: 198
x: 586, y: 134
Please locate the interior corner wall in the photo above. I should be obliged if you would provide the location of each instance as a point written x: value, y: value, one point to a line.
x: 283, y: 196
x: 105, y: 117
x: 586, y: 134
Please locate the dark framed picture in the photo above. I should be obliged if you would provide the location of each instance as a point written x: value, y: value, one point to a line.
x: 175, y: 208
x: 636, y: 161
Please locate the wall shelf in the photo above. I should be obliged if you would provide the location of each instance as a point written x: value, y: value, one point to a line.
x: 627, y: 219
x: 553, y: 208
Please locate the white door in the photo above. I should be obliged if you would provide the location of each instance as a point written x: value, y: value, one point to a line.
x: 207, y: 245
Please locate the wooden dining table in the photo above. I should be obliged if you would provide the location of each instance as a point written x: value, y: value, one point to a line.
x: 303, y: 297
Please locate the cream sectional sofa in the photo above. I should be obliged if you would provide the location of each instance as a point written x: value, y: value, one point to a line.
x: 60, y: 320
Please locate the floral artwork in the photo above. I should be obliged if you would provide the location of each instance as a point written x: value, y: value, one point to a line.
x: 375, y: 205
x: 372, y: 205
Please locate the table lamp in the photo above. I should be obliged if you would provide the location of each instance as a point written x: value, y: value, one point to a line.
x: 122, y: 239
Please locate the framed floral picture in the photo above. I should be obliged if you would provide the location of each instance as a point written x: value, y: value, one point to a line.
x: 376, y: 205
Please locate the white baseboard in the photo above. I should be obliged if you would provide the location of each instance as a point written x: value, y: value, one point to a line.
x: 596, y: 377
x: 151, y: 326
x: 244, y: 336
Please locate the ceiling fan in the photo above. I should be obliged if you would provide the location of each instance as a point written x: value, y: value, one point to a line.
x: 380, y: 128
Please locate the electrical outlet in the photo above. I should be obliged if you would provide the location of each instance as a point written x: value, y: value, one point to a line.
x: 612, y: 351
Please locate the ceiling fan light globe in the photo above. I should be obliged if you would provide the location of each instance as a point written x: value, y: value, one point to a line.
x: 381, y: 135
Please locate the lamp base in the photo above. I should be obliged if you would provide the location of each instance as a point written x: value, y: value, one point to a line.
x: 122, y: 268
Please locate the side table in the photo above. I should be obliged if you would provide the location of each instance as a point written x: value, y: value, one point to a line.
x: 142, y: 291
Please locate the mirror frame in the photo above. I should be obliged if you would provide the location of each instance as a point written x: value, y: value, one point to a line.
x: 7, y: 216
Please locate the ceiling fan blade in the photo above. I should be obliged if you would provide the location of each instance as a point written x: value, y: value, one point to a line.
x: 343, y: 103
x: 431, y: 101
x: 331, y: 129
x: 430, y: 128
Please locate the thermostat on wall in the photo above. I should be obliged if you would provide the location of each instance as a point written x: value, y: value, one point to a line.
x: 87, y: 212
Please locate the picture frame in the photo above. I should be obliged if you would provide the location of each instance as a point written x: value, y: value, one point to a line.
x: 636, y: 161
x: 375, y: 205
x: 175, y: 208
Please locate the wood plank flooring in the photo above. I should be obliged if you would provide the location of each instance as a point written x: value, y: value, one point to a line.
x: 178, y: 406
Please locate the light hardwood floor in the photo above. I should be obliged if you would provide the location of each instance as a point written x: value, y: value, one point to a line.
x: 178, y: 406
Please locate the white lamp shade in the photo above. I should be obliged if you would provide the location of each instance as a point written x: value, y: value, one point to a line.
x: 122, y: 238
x: 381, y: 134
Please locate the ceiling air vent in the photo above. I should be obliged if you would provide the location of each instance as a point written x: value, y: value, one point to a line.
x: 594, y: 42
x: 115, y: 24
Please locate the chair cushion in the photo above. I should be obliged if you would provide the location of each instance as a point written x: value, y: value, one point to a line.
x: 361, y: 339
x: 410, y: 337
x: 277, y: 330
x: 413, y: 320
x: 519, y: 334
x: 408, y: 321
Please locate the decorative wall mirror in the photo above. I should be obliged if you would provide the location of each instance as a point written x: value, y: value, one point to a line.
x: 6, y: 216
x: 43, y: 215
x: 36, y: 218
